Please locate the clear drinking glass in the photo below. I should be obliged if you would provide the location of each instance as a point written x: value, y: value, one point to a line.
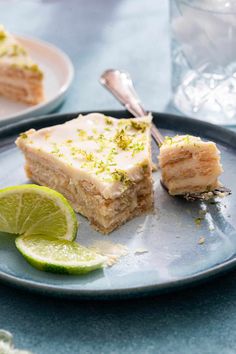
x: 204, y: 59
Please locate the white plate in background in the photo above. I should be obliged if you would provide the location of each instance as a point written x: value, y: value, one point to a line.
x: 58, y: 75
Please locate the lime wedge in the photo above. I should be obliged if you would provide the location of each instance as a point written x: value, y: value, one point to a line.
x: 30, y: 210
x: 50, y: 254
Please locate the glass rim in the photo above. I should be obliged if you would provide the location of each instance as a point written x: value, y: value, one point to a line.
x: 205, y: 7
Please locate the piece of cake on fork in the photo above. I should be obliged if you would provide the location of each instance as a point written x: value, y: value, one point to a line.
x: 189, y: 165
x: 21, y: 79
x: 102, y: 165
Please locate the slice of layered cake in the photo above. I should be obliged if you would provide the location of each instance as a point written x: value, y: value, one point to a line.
x: 189, y: 165
x: 102, y: 165
x: 20, y: 78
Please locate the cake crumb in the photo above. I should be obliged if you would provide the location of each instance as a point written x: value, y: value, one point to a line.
x: 140, y: 228
x: 154, y: 167
x: 140, y: 250
x: 201, y: 240
x: 113, y: 251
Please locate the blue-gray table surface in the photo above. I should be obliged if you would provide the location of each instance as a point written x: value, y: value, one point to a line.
x: 131, y: 35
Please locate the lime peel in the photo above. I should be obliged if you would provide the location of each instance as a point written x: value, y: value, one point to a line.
x: 58, y: 256
x: 32, y: 209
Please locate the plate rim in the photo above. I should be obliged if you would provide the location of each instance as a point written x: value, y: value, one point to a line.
x: 218, y: 133
x: 54, y: 101
x: 122, y: 293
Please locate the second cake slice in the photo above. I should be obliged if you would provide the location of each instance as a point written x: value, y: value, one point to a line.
x: 189, y: 165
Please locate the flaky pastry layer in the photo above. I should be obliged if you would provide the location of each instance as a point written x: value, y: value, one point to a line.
x: 105, y: 215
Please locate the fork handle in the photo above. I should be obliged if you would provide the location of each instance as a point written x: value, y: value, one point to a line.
x: 119, y: 83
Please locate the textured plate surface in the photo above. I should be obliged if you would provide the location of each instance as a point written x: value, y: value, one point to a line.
x: 57, y: 80
x: 170, y: 234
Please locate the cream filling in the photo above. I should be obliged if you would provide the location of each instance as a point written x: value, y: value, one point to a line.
x: 193, y: 168
x: 18, y: 84
x: 15, y: 82
x: 12, y: 52
x: 191, y: 182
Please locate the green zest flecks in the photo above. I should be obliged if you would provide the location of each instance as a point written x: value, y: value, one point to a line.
x: 121, y: 176
x: 122, y: 139
x: 139, y: 125
x: 15, y: 54
x: 23, y: 136
x: 108, y: 120
x: 2, y: 35
x: 103, y: 149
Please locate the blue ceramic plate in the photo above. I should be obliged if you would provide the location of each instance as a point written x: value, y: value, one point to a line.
x: 170, y: 234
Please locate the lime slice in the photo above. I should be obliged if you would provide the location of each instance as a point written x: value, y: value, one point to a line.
x: 30, y: 209
x: 50, y: 254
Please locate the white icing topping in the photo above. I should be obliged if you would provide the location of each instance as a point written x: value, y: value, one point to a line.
x: 181, y: 140
x: 13, y: 53
x: 110, y: 153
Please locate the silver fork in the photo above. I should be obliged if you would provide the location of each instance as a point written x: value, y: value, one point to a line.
x: 120, y: 84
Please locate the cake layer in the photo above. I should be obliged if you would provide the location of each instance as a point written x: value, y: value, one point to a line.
x: 190, y: 168
x: 106, y: 176
x: 28, y: 92
x: 189, y: 165
x: 104, y: 214
x: 20, y: 78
